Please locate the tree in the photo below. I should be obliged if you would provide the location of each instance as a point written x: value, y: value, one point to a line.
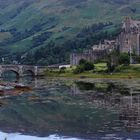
x: 112, y: 61
x: 84, y: 65
x: 88, y: 66
x: 79, y: 69
x: 82, y: 61
x: 124, y: 59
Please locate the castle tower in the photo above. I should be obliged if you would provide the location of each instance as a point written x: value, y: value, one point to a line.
x: 127, y: 24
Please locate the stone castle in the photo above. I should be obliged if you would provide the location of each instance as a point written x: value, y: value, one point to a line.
x: 129, y: 38
x: 127, y: 41
x: 95, y: 53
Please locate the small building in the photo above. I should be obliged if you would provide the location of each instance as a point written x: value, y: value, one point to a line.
x: 64, y: 66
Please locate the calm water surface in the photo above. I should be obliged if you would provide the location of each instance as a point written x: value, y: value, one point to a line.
x: 66, y: 109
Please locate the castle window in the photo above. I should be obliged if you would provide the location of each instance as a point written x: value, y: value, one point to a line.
x: 127, y: 41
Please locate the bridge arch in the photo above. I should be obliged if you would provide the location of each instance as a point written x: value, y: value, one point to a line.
x: 5, y: 73
x: 28, y: 72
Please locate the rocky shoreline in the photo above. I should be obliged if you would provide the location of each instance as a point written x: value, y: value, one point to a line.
x: 7, y: 87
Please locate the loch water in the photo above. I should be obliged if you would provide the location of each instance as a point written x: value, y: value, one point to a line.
x: 69, y: 109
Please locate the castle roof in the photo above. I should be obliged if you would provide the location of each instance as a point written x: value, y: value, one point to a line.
x: 108, y: 44
x: 131, y: 23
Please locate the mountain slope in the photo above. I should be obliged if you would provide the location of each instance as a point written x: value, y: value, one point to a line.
x: 57, y: 20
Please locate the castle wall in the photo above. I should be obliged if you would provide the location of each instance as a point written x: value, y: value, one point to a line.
x: 90, y: 56
x: 129, y: 37
x: 76, y: 57
x: 134, y: 44
x: 138, y: 44
x: 124, y: 42
x: 128, y: 41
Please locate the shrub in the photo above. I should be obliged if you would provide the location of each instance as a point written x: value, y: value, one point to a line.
x: 79, y: 69
x: 88, y: 66
x: 62, y: 70
x: 124, y: 59
x: 82, y: 61
x: 83, y: 66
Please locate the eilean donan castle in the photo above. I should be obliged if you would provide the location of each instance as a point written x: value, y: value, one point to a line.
x: 127, y: 41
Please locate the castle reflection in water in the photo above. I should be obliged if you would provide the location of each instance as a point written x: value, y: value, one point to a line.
x: 90, y: 101
x: 123, y: 100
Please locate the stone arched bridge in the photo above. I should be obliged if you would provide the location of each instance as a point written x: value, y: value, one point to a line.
x: 21, y: 69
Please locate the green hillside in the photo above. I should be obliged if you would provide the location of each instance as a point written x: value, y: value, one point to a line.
x: 26, y: 22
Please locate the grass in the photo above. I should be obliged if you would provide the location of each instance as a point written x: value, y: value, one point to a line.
x: 95, y: 75
x: 128, y: 69
x: 100, y: 67
x: 132, y: 71
x: 98, y: 75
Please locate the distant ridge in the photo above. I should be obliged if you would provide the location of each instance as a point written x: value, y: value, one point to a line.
x: 23, y: 21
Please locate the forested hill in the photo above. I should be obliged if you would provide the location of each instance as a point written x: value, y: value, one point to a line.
x: 46, y: 31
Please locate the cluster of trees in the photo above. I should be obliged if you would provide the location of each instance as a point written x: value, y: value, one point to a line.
x: 124, y: 58
x: 84, y: 65
x: 39, y: 40
x: 17, y: 36
x: 53, y: 53
x: 92, y: 29
x: 115, y: 59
